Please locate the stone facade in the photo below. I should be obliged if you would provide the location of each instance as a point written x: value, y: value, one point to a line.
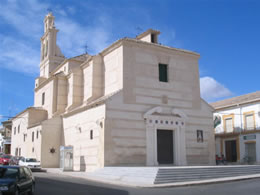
x: 110, y: 107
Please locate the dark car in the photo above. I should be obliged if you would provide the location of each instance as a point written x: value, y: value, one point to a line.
x: 4, y: 159
x: 16, y: 180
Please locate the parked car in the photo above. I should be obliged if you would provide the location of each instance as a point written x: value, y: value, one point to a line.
x: 32, y: 163
x: 4, y: 159
x: 16, y: 180
x: 14, y: 160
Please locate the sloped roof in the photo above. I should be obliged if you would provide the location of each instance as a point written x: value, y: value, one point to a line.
x: 243, y: 99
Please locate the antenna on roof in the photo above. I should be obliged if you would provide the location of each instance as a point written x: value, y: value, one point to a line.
x: 86, y: 48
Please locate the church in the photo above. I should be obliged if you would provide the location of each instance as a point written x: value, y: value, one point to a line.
x: 136, y: 103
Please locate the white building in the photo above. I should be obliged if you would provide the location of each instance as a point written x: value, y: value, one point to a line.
x: 135, y: 103
x: 238, y: 134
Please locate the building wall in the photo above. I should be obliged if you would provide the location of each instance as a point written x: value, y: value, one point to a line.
x: 51, y: 135
x: 48, y: 102
x: 93, y: 79
x: 113, y: 67
x: 29, y: 122
x: 243, y: 146
x: 238, y: 113
x: 125, y: 135
x: 17, y: 140
x: 33, y: 146
x: 88, y: 154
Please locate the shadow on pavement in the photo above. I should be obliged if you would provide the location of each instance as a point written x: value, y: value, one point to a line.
x: 39, y: 170
x: 48, y: 186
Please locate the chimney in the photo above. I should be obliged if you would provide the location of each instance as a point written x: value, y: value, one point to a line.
x: 150, y: 36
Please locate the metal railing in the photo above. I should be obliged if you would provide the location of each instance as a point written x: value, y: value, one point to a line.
x: 239, y: 130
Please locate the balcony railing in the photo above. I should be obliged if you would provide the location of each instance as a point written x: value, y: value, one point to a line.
x: 238, y: 130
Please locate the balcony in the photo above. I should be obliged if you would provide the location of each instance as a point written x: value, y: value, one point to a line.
x: 237, y: 131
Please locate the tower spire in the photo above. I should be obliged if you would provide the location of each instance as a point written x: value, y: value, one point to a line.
x: 51, y: 55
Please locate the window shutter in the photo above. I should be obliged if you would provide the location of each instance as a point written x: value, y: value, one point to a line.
x: 249, y: 122
x: 229, y: 125
x: 163, y: 74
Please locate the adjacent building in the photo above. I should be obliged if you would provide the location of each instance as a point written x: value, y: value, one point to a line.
x: 136, y: 103
x: 238, y: 128
x: 6, y: 133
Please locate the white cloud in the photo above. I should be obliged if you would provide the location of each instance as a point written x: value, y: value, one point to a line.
x: 25, y: 16
x: 211, y: 90
x: 74, y: 36
x: 18, y: 56
x: 22, y: 52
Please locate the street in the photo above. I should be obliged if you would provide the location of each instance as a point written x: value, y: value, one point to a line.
x: 53, y: 184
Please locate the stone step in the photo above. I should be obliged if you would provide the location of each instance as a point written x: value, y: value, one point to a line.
x: 207, y: 172
x: 202, y: 176
x: 168, y: 175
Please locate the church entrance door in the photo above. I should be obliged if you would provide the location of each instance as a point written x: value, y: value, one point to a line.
x: 165, y: 146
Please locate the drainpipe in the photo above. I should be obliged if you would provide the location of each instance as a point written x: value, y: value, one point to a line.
x: 241, y: 126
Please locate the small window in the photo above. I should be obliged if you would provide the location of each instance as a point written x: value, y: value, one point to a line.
x: 199, y: 136
x: 163, y: 72
x: 32, y: 136
x: 32, y: 149
x: 43, y: 98
x: 37, y: 134
x: 18, y: 129
x: 91, y: 134
x: 24, y: 137
x: 152, y: 38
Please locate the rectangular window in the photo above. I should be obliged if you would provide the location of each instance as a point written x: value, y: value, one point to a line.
x: 199, y: 135
x: 18, y: 129
x: 229, y: 125
x: 32, y: 136
x: 24, y: 136
x: 43, y: 98
x: 91, y: 134
x: 249, y: 122
x: 163, y: 72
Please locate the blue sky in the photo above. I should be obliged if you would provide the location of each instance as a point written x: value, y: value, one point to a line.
x: 225, y: 32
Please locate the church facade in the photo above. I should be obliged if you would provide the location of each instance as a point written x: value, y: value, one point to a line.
x: 136, y: 103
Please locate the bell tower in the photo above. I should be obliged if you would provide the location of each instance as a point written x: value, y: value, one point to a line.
x: 51, y: 55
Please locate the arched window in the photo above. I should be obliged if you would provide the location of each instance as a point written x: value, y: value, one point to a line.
x: 43, y: 50
x: 46, y: 48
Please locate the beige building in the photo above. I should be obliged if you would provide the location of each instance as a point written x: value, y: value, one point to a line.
x: 136, y: 103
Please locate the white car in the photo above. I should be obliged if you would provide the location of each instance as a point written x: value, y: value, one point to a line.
x: 32, y: 163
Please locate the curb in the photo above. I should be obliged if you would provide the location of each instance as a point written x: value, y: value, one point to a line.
x: 138, y: 185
